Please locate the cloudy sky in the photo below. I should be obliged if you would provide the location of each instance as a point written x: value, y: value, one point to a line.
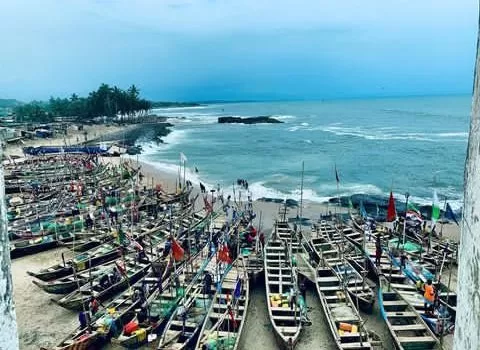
x: 238, y: 49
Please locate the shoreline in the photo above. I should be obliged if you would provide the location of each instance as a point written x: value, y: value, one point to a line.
x: 310, y: 210
x: 91, y: 134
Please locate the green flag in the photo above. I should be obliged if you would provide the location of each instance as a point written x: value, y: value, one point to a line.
x: 413, y: 207
x: 350, y: 204
x: 435, y: 208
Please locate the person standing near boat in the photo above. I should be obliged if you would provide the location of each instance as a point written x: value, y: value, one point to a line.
x: 429, y: 296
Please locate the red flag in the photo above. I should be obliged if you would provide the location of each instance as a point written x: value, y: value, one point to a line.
x: 177, y: 251
x: 391, y: 212
x: 224, y: 255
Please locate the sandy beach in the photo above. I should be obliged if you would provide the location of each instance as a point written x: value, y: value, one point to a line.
x: 43, y: 323
x: 89, y: 133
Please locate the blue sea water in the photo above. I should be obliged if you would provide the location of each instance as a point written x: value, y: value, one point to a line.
x: 405, y: 144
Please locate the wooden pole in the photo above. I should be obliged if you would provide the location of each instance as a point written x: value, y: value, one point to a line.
x: 467, y: 335
x: 8, y: 321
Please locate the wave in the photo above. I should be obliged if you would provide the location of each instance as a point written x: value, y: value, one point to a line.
x: 169, y: 109
x: 453, y: 134
x: 173, y: 169
x: 294, y: 128
x: 417, y: 113
x: 325, y: 193
x: 384, y: 134
x: 175, y: 137
x: 321, y: 194
x: 283, y: 118
x: 182, y: 118
x: 301, y: 126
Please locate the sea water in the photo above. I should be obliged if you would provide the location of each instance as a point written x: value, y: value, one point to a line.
x: 415, y: 144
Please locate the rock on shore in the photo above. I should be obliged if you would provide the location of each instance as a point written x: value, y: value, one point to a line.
x: 250, y: 120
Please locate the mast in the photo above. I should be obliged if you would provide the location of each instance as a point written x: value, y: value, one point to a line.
x: 301, y: 196
x: 443, y: 216
x: 467, y: 335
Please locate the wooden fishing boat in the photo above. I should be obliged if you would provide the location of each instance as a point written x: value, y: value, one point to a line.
x: 186, y: 321
x: 359, y: 290
x: 279, y: 283
x: 133, y: 270
x: 406, y: 326
x: 286, y: 234
x: 122, y: 309
x: 96, y: 256
x: 439, y: 320
x: 85, y: 244
x: 385, y: 267
x: 418, y: 274
x: 35, y: 245
x: 67, y: 284
x: 78, y: 299
x: 162, y: 303
x: 227, y: 314
x: 346, y: 325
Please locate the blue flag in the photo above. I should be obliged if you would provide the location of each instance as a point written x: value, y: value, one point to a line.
x: 238, y: 289
x: 450, y: 215
x: 363, y: 212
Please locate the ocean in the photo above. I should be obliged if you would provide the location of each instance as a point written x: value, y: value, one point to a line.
x: 413, y: 144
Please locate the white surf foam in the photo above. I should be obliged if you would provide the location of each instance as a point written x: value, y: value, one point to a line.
x: 453, y: 134
x: 284, y: 118
x: 377, y: 134
x: 175, y: 137
x: 174, y: 109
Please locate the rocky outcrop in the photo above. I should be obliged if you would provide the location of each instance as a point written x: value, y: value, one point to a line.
x: 249, y: 120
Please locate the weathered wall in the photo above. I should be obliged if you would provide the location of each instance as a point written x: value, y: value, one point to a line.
x: 8, y: 323
x: 467, y: 328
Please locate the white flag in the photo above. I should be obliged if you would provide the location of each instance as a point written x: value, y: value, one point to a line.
x: 183, y: 158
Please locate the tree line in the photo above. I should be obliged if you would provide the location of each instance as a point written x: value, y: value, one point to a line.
x: 105, y: 101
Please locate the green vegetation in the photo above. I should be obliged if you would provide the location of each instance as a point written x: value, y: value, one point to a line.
x: 105, y: 101
x: 9, y: 103
x: 174, y: 104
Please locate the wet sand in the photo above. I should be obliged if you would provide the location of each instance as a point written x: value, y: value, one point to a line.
x: 40, y: 321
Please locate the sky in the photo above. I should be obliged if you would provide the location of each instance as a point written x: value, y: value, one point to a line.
x: 238, y: 49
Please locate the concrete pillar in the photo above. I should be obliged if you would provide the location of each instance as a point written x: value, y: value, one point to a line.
x: 467, y: 328
x: 8, y: 322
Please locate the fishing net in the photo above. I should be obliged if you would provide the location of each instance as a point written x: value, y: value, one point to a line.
x: 111, y: 200
x: 220, y: 343
x: 408, y: 246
